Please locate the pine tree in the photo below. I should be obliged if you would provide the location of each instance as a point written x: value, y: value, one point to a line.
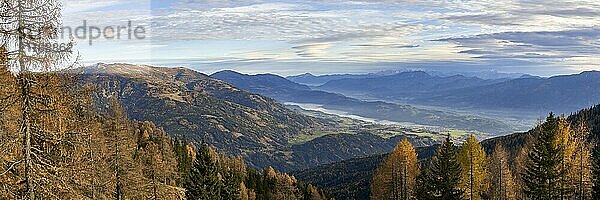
x: 472, y: 159
x: 442, y: 180
x: 545, y: 175
x: 396, y: 177
x: 502, y: 186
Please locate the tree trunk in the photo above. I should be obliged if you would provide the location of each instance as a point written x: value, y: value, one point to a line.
x: 25, y: 84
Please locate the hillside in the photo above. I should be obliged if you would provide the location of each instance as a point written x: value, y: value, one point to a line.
x: 190, y: 105
x: 350, y: 179
x: 287, y: 91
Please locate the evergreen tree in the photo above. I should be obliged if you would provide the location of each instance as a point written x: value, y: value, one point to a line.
x: 473, y: 160
x: 544, y: 174
x: 442, y: 180
x: 203, y: 181
x: 396, y: 177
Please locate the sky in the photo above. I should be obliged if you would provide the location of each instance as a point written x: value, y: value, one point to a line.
x: 538, y: 37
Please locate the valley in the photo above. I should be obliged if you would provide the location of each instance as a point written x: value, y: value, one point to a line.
x: 351, y: 124
x: 284, y: 90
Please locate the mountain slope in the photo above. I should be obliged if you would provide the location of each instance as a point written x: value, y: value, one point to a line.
x: 190, y: 105
x: 350, y: 179
x: 287, y: 91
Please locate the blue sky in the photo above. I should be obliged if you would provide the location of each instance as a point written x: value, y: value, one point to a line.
x: 334, y: 36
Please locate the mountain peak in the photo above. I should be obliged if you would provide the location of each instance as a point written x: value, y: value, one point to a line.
x: 305, y: 75
x: 228, y: 71
x: 117, y: 68
x: 593, y: 72
x: 141, y: 71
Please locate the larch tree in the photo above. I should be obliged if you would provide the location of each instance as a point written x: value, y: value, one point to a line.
x: 595, y: 174
x: 566, y: 140
x: 10, y: 145
x: 519, y: 166
x: 125, y: 176
x: 502, y: 186
x: 544, y: 173
x: 442, y: 178
x: 158, y: 162
x: 396, y: 177
x: 473, y: 162
x: 582, y: 161
x: 27, y: 27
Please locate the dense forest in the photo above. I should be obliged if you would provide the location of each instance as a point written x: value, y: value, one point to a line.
x: 556, y: 160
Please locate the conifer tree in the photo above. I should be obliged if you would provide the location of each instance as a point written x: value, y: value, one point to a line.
x: 442, y: 180
x: 26, y: 25
x: 582, y: 162
x: 595, y: 174
x: 473, y: 160
x: 396, y: 177
x: 158, y: 162
x: 567, y: 140
x: 502, y: 186
x: 545, y: 175
x: 203, y: 181
x: 125, y: 179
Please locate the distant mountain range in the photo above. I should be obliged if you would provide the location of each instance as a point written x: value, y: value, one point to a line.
x: 404, y: 86
x: 284, y: 90
x: 313, y: 81
x: 527, y: 93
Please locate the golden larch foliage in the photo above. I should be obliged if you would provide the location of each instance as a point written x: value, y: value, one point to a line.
x: 396, y: 177
x: 473, y: 162
x: 502, y: 184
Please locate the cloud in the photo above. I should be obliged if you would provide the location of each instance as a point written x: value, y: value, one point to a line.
x: 568, y: 48
x: 313, y: 50
x: 558, y: 33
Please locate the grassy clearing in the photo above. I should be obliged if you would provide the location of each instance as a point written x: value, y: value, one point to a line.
x: 303, y: 138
